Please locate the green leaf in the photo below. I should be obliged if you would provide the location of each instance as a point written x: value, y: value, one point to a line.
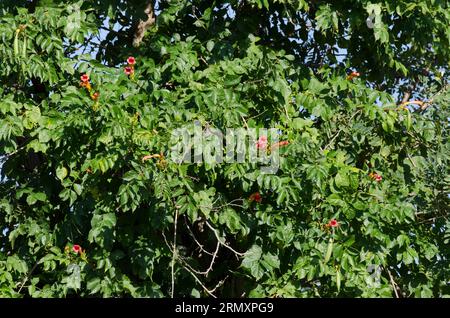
x: 210, y: 45
x: 61, y: 173
x: 31, y: 199
x: 251, y: 262
x: 301, y: 123
x: 271, y: 261
x: 78, y: 188
x: 341, y: 180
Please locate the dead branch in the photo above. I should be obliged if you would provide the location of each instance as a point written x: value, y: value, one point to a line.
x: 143, y: 26
x: 393, y: 283
x: 222, y: 242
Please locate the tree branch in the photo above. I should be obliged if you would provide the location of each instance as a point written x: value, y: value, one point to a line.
x: 174, y: 253
x: 222, y: 242
x: 393, y: 283
x: 28, y: 276
x: 143, y: 26
x: 405, y: 97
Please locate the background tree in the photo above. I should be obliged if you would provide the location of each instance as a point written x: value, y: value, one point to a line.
x: 360, y: 204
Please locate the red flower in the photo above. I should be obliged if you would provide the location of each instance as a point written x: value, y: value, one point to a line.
x: 262, y: 142
x: 77, y: 249
x: 280, y: 144
x: 85, y: 78
x: 131, y: 60
x: 353, y: 75
x: 95, y: 96
x: 375, y: 176
x: 333, y: 223
x: 87, y: 85
x: 128, y: 70
x: 255, y: 197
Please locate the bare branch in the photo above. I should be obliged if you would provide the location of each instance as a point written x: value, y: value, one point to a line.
x: 222, y: 242
x: 28, y: 276
x: 406, y: 97
x: 219, y: 284
x: 393, y: 283
x: 195, y: 239
x: 174, y: 253
x: 186, y: 267
x: 206, y: 272
x: 199, y: 281
x: 143, y: 26
x: 412, y: 161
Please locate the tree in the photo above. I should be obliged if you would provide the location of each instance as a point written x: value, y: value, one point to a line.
x: 92, y: 204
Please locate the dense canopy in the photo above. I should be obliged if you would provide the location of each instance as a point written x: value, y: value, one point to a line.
x: 91, y: 203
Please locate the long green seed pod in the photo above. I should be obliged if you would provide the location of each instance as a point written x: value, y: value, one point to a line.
x: 16, y: 43
x: 329, y: 250
x: 338, y: 279
x: 24, y: 48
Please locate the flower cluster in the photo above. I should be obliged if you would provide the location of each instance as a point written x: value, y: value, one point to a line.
x: 129, y: 69
x: 375, y: 176
x: 148, y: 157
x: 86, y: 84
x: 280, y: 144
x: 332, y: 223
x: 255, y: 197
x: 95, y: 96
x: 352, y: 75
x: 76, y: 249
x: 262, y: 142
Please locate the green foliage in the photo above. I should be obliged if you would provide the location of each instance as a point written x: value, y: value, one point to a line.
x: 72, y: 168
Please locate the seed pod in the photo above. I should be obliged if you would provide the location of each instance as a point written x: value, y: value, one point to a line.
x: 329, y: 251
x: 338, y: 279
x: 24, y: 48
x: 408, y: 121
x: 16, y: 43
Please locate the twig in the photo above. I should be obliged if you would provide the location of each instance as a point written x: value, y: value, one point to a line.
x: 174, y: 252
x: 245, y: 122
x: 405, y: 97
x: 417, y: 102
x: 15, y: 151
x: 195, y: 239
x: 410, y: 159
x: 430, y: 101
x: 186, y: 267
x: 217, y: 208
x: 258, y: 115
x: 393, y: 283
x: 206, y: 272
x: 28, y: 276
x: 339, y: 131
x: 201, y: 58
x: 231, y: 203
x: 193, y: 178
x: 255, y: 81
x: 199, y: 281
x: 212, y: 260
x: 220, y: 283
x: 433, y: 219
x: 223, y: 243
